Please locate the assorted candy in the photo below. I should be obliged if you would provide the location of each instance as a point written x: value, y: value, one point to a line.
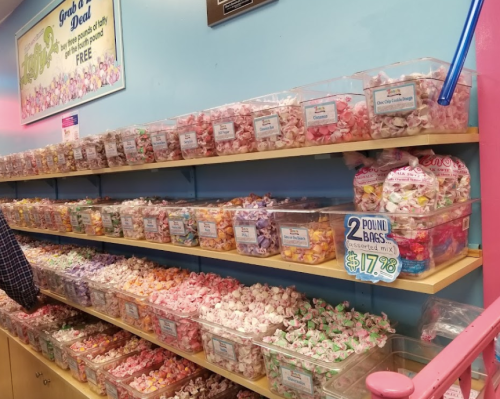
x: 95, y: 151
x: 137, y: 145
x: 205, y: 388
x: 113, y: 146
x: 165, y: 140
x: 196, y: 136
x: 132, y: 219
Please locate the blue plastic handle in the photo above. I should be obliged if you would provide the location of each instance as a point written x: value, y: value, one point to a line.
x: 461, y: 53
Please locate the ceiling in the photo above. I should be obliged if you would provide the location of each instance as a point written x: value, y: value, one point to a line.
x: 6, y: 7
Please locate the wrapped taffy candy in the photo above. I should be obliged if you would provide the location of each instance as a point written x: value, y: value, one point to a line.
x: 137, y: 145
x: 182, y: 223
x: 80, y: 155
x: 446, y: 172
x: 317, y: 344
x: 165, y: 141
x: 229, y: 328
x: 95, y: 152
x: 172, y: 310
x: 335, y: 111
x: 463, y: 186
x: 42, y: 158
x: 8, y: 166
x: 62, y: 217
x: 17, y: 164
x: 246, y: 394
x: 131, y: 218
x: 403, y: 99
x: 233, y: 129
x: 196, y: 135
x: 30, y: 167
x: 215, y: 386
x: 113, y: 146
x: 65, y: 158
x: 111, y: 220
x: 156, y: 225
x: 278, y: 121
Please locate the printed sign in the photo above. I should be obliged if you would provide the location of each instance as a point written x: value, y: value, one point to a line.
x: 127, y: 222
x: 73, y: 365
x: 188, y: 140
x: 395, y: 99
x: 91, y: 375
x: 224, y: 131
x: 86, y: 219
x: 110, y: 148
x: 321, y: 114
x: 111, y: 390
x: 106, y: 220
x: 150, y: 225
x: 131, y: 310
x: 70, y: 127
x: 69, y: 54
x: 207, y: 229
x: 99, y: 298
x: 224, y: 349
x: 177, y: 227
x: 370, y: 254
x: 295, y: 237
x: 297, y: 380
x: 267, y: 126
x: 159, y: 141
x: 168, y: 327
x: 245, y: 234
x: 221, y: 10
x: 58, y: 355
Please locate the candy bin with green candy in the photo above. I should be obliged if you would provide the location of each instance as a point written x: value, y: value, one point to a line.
x: 317, y: 344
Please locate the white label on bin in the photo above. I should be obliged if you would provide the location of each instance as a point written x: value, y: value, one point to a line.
x: 168, y: 327
x: 8, y: 323
x: 207, y: 229
x: 297, y: 380
x: 131, y: 310
x: 295, y: 237
x: 48, y: 218
x: 224, y: 349
x: 188, y: 140
x: 19, y: 330
x: 245, y: 234
x: 224, y: 131
x: 77, y: 153
x: 129, y: 146
x: 74, y: 220
x: 106, y: 220
x: 99, y: 298
x: 58, y: 219
x: 266, y: 126
x: 177, y: 227
x: 58, y: 355
x: 127, y: 222
x: 73, y: 365
x: 159, y: 141
x: 466, y: 223
x: 61, y: 159
x: 43, y: 345
x: 150, y: 225
x: 321, y: 114
x: 39, y: 163
x: 27, y: 218
x: 86, y: 219
x: 91, y: 152
x: 111, y: 390
x: 110, y: 148
x: 395, y: 99
x: 91, y: 375
x: 50, y: 161
x: 31, y: 338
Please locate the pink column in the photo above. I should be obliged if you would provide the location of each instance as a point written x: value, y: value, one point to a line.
x: 488, y: 66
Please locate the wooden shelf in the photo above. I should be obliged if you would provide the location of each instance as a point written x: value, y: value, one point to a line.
x: 64, y: 374
x: 471, y: 136
x: 260, y: 386
x: 428, y: 285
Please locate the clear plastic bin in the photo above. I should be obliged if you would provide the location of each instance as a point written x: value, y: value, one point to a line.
x: 21, y: 327
x: 41, y: 339
x: 182, y: 224
x: 5, y: 312
x: 76, y: 289
x: 156, y: 226
x: 15, y: 216
x: 335, y: 111
x: 38, y: 276
x: 92, y: 220
x: 196, y: 135
x: 215, y: 225
x: 111, y: 221
x: 17, y: 165
x: 278, y: 121
x: 42, y: 158
x: 137, y: 145
x: 233, y: 350
x: 233, y: 129
x: 131, y: 221
x: 62, y: 217
x: 8, y: 322
x: 402, y: 355
x: 80, y: 155
x: 3, y: 174
x: 24, y: 216
x: 30, y: 167
x: 104, y: 298
x: 134, y: 310
x: 51, y: 159
x: 7, y: 166
x: 426, y: 242
x: 56, y: 281
x: 403, y: 99
x: 47, y: 217
x: 113, y: 146
x: 95, y: 152
x: 165, y: 141
x: 75, y: 218
x: 66, y: 162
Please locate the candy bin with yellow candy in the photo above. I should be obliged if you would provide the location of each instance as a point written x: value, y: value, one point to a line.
x: 62, y: 217
x: 92, y: 220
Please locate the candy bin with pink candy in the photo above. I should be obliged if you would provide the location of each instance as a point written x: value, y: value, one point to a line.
x: 335, y: 111
x: 402, y: 99
x: 8, y: 307
x: 172, y: 311
x: 113, y: 146
x: 182, y: 223
x: 233, y: 129
x: 137, y: 145
x: 131, y: 218
x: 230, y: 327
x: 80, y: 155
x: 133, y: 365
x: 212, y: 387
x: 156, y: 225
x: 196, y: 135
x: 165, y: 140
x: 317, y: 344
x: 278, y: 121
x: 66, y: 161
x: 96, y: 154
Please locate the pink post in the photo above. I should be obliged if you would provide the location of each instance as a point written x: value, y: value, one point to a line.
x: 389, y: 385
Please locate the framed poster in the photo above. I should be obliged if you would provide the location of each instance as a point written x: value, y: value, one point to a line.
x: 221, y: 10
x: 69, y: 54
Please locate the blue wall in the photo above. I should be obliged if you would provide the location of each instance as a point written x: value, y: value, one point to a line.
x: 175, y: 64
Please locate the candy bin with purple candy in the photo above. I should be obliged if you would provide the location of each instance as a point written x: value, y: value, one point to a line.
x: 111, y: 220
x: 80, y: 155
x: 113, y: 146
x: 182, y: 223
x: 233, y: 129
x: 196, y: 135
x: 230, y: 327
x: 278, y: 121
x: 165, y: 140
x: 402, y: 99
x: 335, y: 111
x: 137, y: 145
x: 131, y: 218
x: 66, y: 161
x: 96, y: 154
x: 317, y: 344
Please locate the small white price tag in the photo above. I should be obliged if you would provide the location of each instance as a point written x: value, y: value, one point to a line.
x: 245, y: 234
x: 395, y: 99
x: 73, y: 218
x: 131, y: 310
x: 77, y: 153
x: 207, y: 229
x: 188, y: 140
x: 224, y: 349
x: 86, y: 219
x: 99, y: 298
x: 58, y: 355
x: 129, y: 146
x: 91, y: 152
x: 111, y: 390
x: 267, y: 126
x: 73, y: 365
x: 295, y: 237
x: 106, y: 220
x: 58, y: 219
x: 297, y: 380
x: 91, y: 375
x: 43, y: 345
x: 61, y: 159
x: 168, y: 327
x: 127, y: 222
x: 224, y: 131
x: 150, y: 225
x: 159, y: 141
x: 110, y: 148
x: 321, y: 114
x: 177, y: 227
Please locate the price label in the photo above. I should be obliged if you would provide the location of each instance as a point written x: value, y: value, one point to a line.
x: 395, y: 99
x: 245, y: 234
x: 224, y: 349
x: 177, y: 227
x: 267, y: 126
x: 150, y: 225
x: 129, y: 146
x: 370, y: 254
x: 91, y: 152
x: 77, y: 153
x: 27, y: 218
x: 48, y: 218
x: 106, y: 220
x: 111, y: 390
x: 207, y: 229
x: 110, y: 148
x: 127, y: 222
x: 73, y: 365
x: 224, y: 131
x: 321, y: 114
x: 188, y: 140
x: 31, y: 338
x: 20, y: 332
x: 58, y: 219
x: 50, y: 161
x: 44, y: 345
x: 39, y: 163
x: 297, y: 380
x: 91, y: 375
x: 131, y: 310
x: 99, y: 298
x: 159, y: 141
x: 295, y: 237
x: 86, y: 219
x: 168, y: 327
x: 36, y: 218
x: 73, y: 218
x: 61, y: 159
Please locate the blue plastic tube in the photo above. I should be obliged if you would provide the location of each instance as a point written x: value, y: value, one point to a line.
x: 461, y: 53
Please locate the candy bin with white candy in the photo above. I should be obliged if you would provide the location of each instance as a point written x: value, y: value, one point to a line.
x: 113, y: 146
x: 80, y: 155
x: 131, y: 218
x: 278, y: 121
x: 196, y: 135
x: 233, y: 129
x: 335, y: 111
x: 172, y: 311
x: 229, y: 328
x: 402, y: 99
x: 317, y: 344
x: 96, y: 154
x: 137, y: 145
x: 66, y: 161
x: 165, y: 140
x: 8, y: 307
x: 111, y: 220
x: 36, y: 335
x: 182, y: 223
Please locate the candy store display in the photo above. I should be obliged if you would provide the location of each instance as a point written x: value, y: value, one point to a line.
x: 66, y: 161
x: 111, y: 221
x: 172, y: 311
x: 95, y: 152
x: 132, y: 219
x: 165, y: 140
x: 196, y: 135
x: 229, y: 328
x: 137, y: 145
x: 213, y: 387
x: 335, y: 111
x: 278, y: 121
x: 113, y: 146
x: 233, y: 129
x: 80, y: 155
x: 402, y: 99
x: 182, y: 224
x: 317, y: 344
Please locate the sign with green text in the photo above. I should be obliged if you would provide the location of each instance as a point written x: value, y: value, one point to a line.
x: 69, y: 54
x: 221, y: 10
